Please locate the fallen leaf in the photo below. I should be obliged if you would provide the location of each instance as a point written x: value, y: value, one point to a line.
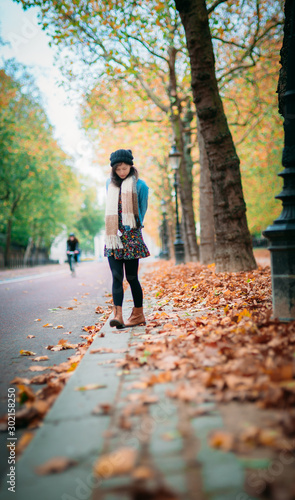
x: 41, y: 379
x: 90, y: 387
x: 27, y: 353
x: 33, y: 410
x: 57, y: 327
x: 47, y: 325
x: 31, y: 336
x: 23, y: 442
x: 40, y: 358
x: 268, y: 437
x: 117, y: 463
x: 103, y: 409
x: 143, y: 472
x: 20, y: 380
x: 39, y: 368
x: 25, y: 393
x: 99, y: 310
x: 62, y: 344
x: 221, y: 439
x: 55, y: 465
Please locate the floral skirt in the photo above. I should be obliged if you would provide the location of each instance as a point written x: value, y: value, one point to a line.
x: 133, y: 246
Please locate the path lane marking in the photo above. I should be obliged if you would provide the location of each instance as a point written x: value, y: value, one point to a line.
x: 31, y: 277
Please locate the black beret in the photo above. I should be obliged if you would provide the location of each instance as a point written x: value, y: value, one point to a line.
x: 122, y: 156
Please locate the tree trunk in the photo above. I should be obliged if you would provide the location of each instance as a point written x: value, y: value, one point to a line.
x: 8, y: 232
x: 190, y: 226
x: 207, y: 236
x: 28, y: 250
x: 7, y: 250
x: 184, y: 174
x: 186, y: 199
x: 233, y: 250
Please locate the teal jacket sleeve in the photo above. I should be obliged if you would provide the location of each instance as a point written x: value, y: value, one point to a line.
x: 143, y: 194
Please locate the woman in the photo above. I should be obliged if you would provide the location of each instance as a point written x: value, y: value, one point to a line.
x: 126, y: 205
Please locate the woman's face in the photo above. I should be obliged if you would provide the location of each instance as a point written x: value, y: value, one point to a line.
x: 123, y: 170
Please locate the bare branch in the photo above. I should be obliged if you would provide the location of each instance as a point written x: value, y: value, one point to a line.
x: 236, y: 68
x: 152, y: 95
x: 139, y: 120
x: 148, y: 48
x: 260, y: 117
x: 214, y: 5
x: 229, y: 42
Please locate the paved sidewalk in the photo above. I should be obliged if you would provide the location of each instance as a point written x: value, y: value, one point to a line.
x: 167, y: 440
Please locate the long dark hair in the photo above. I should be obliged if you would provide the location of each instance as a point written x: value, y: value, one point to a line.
x: 115, y: 179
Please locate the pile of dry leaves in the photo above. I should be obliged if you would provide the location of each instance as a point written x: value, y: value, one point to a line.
x: 215, y: 332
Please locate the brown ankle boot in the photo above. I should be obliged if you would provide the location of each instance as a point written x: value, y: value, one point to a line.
x: 136, y: 318
x: 117, y: 321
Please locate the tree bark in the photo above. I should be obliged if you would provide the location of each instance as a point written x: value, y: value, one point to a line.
x: 184, y: 174
x: 233, y: 251
x: 207, y: 234
x: 7, y: 249
x: 28, y: 250
x: 8, y: 242
x: 190, y: 227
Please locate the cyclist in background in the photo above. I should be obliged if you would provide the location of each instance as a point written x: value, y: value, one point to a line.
x: 72, y: 250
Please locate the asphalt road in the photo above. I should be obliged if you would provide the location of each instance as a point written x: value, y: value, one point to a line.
x: 27, y: 295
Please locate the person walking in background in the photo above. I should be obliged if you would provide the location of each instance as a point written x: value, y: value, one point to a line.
x: 72, y: 249
x: 126, y: 205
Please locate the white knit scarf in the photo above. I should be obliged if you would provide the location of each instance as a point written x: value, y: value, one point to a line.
x: 129, y: 210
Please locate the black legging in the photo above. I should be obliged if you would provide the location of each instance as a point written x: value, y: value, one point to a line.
x: 131, y: 271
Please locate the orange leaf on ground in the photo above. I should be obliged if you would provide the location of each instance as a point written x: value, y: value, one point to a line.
x: 221, y: 439
x: 99, y: 310
x: 39, y: 368
x: 23, y: 442
x: 143, y: 472
x: 20, y: 380
x: 90, y: 387
x: 40, y: 358
x: 25, y: 393
x: 55, y: 465
x: 26, y: 353
x: 119, y: 462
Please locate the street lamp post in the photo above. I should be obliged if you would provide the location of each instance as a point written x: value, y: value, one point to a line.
x: 174, y: 161
x: 281, y: 233
x: 165, y: 249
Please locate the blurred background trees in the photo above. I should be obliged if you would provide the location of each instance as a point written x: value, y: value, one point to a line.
x: 40, y: 193
x: 129, y: 63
